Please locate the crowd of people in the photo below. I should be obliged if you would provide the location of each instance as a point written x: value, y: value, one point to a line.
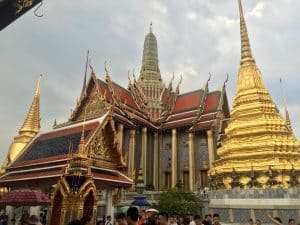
x: 134, y: 217
x: 152, y: 217
x: 275, y: 220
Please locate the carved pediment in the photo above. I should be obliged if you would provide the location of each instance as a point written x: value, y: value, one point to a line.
x: 94, y: 103
x: 104, y: 147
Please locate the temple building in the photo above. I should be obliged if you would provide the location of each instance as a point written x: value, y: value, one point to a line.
x: 112, y: 133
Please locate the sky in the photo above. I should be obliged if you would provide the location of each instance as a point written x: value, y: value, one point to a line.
x: 195, y: 38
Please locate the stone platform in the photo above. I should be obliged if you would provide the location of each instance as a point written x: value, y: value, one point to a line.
x: 238, y: 206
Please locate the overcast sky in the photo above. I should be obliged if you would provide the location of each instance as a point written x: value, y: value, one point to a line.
x: 195, y: 37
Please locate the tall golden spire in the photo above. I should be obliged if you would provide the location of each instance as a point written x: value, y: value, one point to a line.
x: 246, y: 54
x: 256, y: 134
x: 32, y: 121
x: 287, y: 115
x: 28, y: 131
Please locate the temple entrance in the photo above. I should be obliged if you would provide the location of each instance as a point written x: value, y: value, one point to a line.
x: 56, y: 209
x: 88, y: 205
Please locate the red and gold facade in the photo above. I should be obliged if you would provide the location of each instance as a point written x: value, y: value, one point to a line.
x: 112, y: 132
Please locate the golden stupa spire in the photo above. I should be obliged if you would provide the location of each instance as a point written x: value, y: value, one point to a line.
x: 32, y: 121
x: 256, y: 134
x: 28, y: 131
x: 287, y: 115
x: 246, y: 54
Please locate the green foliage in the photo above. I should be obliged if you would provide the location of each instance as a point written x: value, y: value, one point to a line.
x: 178, y: 201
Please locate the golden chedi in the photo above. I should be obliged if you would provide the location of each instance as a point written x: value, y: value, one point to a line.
x: 27, y: 132
x: 259, y: 149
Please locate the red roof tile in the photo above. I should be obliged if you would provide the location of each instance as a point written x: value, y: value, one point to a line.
x: 212, y: 101
x: 188, y: 101
x: 124, y: 95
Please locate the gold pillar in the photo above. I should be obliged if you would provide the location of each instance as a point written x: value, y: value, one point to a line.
x: 155, y: 161
x: 144, y: 153
x: 210, y: 145
x: 191, y: 161
x: 120, y: 135
x: 131, y: 158
x: 174, y: 157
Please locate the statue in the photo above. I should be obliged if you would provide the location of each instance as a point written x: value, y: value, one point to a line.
x: 272, y: 181
x: 235, y: 182
x: 293, y: 182
x: 253, y: 180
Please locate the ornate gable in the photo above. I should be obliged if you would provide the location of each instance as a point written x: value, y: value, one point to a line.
x: 104, y: 148
x: 93, y: 102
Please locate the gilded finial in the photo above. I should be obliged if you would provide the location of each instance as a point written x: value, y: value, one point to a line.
x: 246, y: 54
x: 129, y: 77
x: 206, y: 84
x: 107, y: 77
x: 170, y: 86
x: 150, y: 30
x: 287, y: 115
x: 85, y: 73
x: 54, y: 123
x: 90, y: 65
x: 134, y: 77
x: 32, y: 121
x: 81, y: 147
x: 177, y: 88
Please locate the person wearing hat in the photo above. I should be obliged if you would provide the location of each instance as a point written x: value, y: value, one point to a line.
x: 33, y: 220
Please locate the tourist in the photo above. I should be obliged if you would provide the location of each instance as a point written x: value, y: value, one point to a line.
x: 275, y: 220
x: 172, y: 220
x: 216, y: 219
x: 132, y: 216
x: 191, y: 217
x: 3, y: 217
x: 121, y: 219
x: 24, y: 217
x: 207, y: 219
x: 258, y: 222
x: 33, y: 220
x: 198, y: 220
x: 292, y: 221
x: 75, y: 222
x: 87, y: 220
x: 108, y: 220
x: 162, y: 218
x: 100, y: 222
x: 142, y: 218
x: 251, y: 221
x: 152, y: 218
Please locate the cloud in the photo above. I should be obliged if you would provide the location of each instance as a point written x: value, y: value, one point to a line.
x: 194, y: 38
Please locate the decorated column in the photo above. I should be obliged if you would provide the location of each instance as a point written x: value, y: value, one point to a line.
x: 131, y: 164
x: 210, y: 144
x: 191, y: 161
x: 120, y: 135
x: 174, y: 157
x: 144, y: 153
x: 156, y: 162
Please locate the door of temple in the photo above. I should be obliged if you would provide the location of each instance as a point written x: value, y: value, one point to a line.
x: 56, y: 209
x: 88, y: 205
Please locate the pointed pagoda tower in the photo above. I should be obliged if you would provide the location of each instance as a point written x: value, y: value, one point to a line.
x: 29, y: 129
x: 150, y: 79
x: 257, y: 139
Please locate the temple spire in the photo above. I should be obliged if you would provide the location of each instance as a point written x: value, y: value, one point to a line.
x: 32, y: 121
x: 85, y: 73
x: 287, y: 115
x: 246, y: 54
x: 150, y: 69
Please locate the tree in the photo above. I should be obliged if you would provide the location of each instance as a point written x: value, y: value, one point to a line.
x: 178, y: 201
